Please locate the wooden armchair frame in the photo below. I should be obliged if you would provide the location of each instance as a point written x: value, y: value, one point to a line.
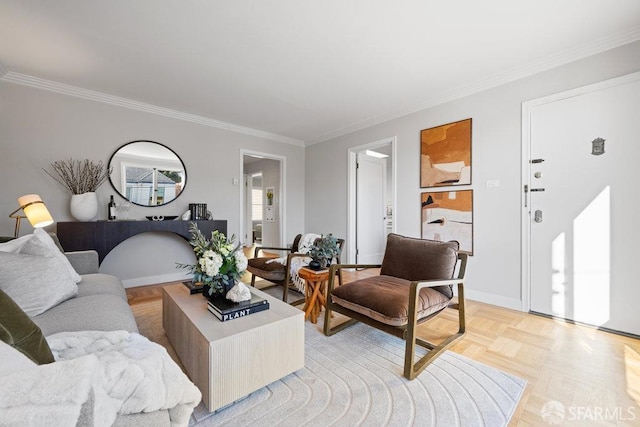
x: 407, y: 332
x: 287, y: 275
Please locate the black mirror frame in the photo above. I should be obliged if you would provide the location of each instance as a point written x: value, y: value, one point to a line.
x: 153, y: 142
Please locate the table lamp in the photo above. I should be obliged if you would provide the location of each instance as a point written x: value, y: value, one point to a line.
x: 34, y: 209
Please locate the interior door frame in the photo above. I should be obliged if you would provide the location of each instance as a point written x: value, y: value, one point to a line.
x: 247, y: 186
x: 281, y: 196
x: 525, y: 202
x: 351, y: 189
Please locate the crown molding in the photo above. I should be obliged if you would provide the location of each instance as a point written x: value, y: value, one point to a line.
x: 533, y: 67
x: 49, y: 85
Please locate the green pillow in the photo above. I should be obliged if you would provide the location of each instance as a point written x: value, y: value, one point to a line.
x: 18, y: 330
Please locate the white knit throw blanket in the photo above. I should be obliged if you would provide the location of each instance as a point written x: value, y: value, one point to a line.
x: 306, y: 242
x: 124, y: 373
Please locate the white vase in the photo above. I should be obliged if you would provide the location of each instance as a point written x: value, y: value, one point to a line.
x: 84, y: 207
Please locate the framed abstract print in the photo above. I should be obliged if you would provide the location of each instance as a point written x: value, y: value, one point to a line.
x: 448, y: 215
x: 445, y: 155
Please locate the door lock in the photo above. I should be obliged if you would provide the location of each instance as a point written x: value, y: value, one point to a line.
x: 537, y: 216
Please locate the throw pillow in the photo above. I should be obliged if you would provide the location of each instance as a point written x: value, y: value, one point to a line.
x: 19, y: 332
x: 45, y: 238
x: 35, y: 283
x: 15, y: 244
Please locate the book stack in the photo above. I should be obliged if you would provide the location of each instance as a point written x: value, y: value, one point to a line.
x: 193, y: 288
x: 225, y: 310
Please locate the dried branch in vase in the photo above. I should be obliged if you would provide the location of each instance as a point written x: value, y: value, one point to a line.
x: 79, y: 176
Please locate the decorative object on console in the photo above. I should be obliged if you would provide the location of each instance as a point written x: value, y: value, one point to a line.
x: 198, y: 211
x: 323, y: 251
x: 82, y: 178
x: 111, y: 209
x: 147, y: 173
x: 219, y: 261
x: 161, y: 217
x: 34, y: 209
x: 123, y: 210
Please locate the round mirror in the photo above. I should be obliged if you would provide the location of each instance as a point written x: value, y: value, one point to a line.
x: 147, y: 173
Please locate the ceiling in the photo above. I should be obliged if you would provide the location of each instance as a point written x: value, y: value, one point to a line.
x: 299, y: 71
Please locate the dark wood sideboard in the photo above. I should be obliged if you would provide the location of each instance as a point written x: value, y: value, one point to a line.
x: 103, y: 236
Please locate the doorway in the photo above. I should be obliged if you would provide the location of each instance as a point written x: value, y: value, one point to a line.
x: 254, y: 196
x: 371, y: 195
x: 579, y: 225
x: 263, y: 199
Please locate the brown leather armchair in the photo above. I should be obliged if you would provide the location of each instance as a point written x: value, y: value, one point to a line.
x: 415, y: 284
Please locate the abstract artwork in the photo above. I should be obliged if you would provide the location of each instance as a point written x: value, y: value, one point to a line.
x: 445, y: 155
x: 448, y: 215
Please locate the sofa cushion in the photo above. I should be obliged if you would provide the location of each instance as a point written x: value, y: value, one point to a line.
x: 99, y: 284
x: 88, y: 313
x: 35, y: 283
x: 386, y: 299
x: 19, y: 331
x: 267, y: 268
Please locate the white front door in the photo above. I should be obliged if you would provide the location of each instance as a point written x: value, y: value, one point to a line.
x: 370, y: 222
x: 584, y: 230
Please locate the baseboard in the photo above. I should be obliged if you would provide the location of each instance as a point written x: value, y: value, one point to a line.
x: 493, y: 299
x: 152, y: 280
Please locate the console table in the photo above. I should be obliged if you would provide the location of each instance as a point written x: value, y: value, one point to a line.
x: 103, y: 236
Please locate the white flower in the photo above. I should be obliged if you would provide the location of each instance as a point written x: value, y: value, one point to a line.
x: 241, y: 261
x: 210, y: 263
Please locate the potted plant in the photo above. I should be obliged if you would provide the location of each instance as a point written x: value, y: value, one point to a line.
x: 82, y: 178
x: 323, y: 251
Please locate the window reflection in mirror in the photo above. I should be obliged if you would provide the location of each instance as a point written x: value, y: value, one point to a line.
x: 147, y: 173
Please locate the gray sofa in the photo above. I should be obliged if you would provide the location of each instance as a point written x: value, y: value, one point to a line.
x: 101, y: 305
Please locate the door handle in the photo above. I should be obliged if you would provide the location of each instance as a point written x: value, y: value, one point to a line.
x: 537, y: 216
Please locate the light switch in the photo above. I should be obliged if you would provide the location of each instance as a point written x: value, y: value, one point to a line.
x: 234, y: 181
x: 492, y: 183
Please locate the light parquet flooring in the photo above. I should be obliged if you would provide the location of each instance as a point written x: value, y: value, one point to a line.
x: 594, y: 374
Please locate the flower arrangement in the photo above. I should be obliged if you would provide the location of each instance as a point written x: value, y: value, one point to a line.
x: 219, y: 261
x: 79, y: 176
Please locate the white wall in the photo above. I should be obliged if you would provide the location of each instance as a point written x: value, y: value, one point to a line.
x: 38, y: 127
x: 494, y: 270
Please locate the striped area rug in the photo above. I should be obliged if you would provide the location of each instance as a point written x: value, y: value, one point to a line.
x: 355, y: 378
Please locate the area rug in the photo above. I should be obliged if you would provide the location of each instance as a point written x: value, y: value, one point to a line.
x: 355, y: 378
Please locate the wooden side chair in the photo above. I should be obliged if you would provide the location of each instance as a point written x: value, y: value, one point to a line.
x: 415, y: 284
x: 277, y: 273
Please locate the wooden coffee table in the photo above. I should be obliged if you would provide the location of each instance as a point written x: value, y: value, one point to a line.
x: 229, y: 360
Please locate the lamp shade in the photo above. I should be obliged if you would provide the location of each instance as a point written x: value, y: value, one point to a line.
x: 35, y: 210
